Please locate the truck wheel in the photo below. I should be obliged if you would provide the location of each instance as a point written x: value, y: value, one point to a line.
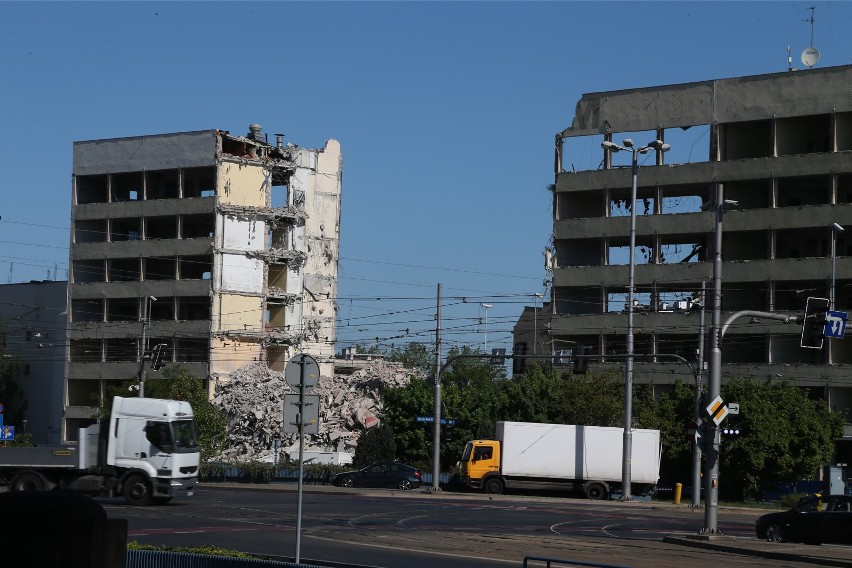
x: 28, y: 481
x: 494, y: 486
x: 136, y: 490
x: 596, y: 491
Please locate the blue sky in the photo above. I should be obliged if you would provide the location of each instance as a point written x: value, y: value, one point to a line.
x: 446, y: 113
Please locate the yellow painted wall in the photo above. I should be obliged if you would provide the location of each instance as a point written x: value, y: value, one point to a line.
x: 232, y: 312
x: 242, y: 184
x: 228, y: 355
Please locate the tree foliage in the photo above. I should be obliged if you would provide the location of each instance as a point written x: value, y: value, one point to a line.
x: 374, y: 445
x: 786, y: 436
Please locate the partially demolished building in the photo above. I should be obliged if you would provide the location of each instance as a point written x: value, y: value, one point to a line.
x: 778, y: 148
x: 204, y: 248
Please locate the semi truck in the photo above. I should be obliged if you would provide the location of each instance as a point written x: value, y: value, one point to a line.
x: 587, y: 459
x: 148, y: 454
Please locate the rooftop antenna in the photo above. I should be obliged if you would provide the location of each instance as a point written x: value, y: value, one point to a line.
x: 810, y: 56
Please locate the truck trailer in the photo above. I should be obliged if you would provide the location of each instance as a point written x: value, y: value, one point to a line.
x: 148, y: 454
x: 565, y: 457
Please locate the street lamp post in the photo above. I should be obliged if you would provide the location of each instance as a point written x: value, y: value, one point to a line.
x: 714, y: 386
x: 627, y: 449
x: 485, y: 307
x: 835, y: 228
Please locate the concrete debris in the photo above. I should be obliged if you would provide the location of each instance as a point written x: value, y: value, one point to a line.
x: 253, y: 399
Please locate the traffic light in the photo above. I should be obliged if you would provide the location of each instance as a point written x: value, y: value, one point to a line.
x: 813, y: 324
x: 498, y: 356
x: 562, y: 357
x: 157, y: 356
x: 731, y: 431
x: 580, y: 362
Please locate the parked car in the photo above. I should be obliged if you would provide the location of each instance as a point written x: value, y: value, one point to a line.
x: 394, y: 475
x: 815, y: 519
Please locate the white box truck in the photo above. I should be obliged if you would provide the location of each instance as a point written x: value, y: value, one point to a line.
x: 529, y: 455
x: 149, y: 453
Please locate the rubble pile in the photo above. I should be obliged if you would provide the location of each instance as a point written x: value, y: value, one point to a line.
x: 253, y: 399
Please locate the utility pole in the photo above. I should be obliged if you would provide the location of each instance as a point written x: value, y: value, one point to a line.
x: 436, y: 413
x: 146, y: 319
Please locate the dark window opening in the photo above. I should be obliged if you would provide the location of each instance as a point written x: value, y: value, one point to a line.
x: 92, y: 189
x: 162, y: 184
x: 195, y: 268
x: 161, y: 227
x: 193, y: 308
x: 123, y: 269
x: 160, y: 269
x: 199, y: 182
x: 127, y: 187
x: 125, y: 229
x: 121, y: 350
x: 198, y: 226
x: 87, y: 310
x: 90, y: 231
x: 122, y: 309
x: 88, y: 271
x: 85, y: 350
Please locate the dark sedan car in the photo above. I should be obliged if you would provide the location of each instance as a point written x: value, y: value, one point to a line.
x: 815, y: 519
x: 394, y: 475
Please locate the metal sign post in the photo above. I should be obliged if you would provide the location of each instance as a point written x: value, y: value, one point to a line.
x: 302, y: 372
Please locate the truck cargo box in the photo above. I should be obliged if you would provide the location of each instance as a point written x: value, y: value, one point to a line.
x: 576, y: 452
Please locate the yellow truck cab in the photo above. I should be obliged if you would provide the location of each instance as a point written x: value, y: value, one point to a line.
x: 480, y: 465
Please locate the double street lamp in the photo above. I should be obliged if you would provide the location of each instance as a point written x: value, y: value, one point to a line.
x: 627, y: 450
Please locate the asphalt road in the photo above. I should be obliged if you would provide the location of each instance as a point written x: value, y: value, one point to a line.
x: 385, y: 528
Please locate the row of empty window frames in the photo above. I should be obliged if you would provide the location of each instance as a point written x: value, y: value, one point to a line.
x: 136, y: 269
x: 137, y: 186
x: 123, y: 350
x: 132, y: 309
x: 199, y: 226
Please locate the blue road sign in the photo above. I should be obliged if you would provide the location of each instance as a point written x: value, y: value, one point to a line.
x: 450, y: 421
x: 7, y: 433
x: 835, y: 324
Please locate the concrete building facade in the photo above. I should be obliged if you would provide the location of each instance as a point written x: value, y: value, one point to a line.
x: 218, y: 250
x: 780, y: 146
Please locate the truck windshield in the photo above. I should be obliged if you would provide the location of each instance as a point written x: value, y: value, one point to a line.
x: 185, y: 435
x: 466, y: 455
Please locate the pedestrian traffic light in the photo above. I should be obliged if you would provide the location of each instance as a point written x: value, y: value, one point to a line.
x: 813, y: 324
x: 580, y: 362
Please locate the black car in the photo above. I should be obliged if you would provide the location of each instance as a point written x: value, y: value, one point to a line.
x: 394, y: 475
x: 815, y: 519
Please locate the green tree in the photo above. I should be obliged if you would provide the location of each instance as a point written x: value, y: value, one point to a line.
x: 785, y: 436
x: 402, y: 406
x: 414, y: 356
x: 670, y: 413
x: 376, y: 444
